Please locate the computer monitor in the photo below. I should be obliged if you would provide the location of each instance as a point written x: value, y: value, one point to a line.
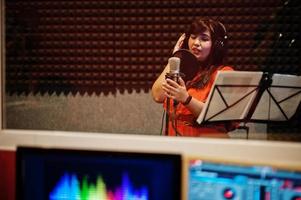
x: 225, y: 180
x: 61, y: 174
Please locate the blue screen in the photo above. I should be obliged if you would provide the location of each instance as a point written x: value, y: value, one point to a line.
x: 216, y: 181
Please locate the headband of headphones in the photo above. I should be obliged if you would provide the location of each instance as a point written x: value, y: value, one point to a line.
x: 220, y: 33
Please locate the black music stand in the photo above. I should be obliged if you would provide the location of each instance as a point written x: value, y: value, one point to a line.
x: 241, y: 96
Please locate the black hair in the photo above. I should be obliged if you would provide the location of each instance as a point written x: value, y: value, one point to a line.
x: 218, y: 50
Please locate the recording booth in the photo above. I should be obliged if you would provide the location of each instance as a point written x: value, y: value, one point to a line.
x: 102, y: 48
x: 76, y: 75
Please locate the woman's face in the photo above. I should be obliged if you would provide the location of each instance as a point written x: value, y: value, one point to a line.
x: 200, y: 45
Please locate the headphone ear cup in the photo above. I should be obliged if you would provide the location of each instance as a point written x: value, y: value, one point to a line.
x: 221, y: 40
x: 219, y: 46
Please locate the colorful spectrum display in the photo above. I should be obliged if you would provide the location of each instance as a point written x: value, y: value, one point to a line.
x: 69, y: 188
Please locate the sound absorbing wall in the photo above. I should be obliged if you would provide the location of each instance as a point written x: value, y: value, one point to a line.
x: 94, y: 46
x: 60, y: 52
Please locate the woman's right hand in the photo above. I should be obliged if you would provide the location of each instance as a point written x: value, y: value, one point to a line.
x: 179, y: 43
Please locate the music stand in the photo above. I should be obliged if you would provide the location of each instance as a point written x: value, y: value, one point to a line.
x: 242, y: 96
x: 280, y: 101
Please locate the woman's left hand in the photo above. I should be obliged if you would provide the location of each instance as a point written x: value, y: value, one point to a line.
x: 179, y: 43
x: 174, y: 90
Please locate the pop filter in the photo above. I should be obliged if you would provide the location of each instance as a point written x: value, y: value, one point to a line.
x: 189, y: 64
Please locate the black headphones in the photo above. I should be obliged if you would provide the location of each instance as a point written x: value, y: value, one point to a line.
x: 220, y: 34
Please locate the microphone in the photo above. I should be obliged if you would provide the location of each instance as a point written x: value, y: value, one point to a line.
x: 174, y: 72
x: 174, y: 69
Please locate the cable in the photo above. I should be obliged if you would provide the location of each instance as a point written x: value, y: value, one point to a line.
x: 162, y: 122
x: 174, y: 121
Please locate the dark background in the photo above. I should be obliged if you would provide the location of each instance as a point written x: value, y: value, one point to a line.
x: 101, y: 47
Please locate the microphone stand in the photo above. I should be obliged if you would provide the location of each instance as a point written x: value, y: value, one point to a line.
x: 174, y: 74
x: 168, y: 108
x: 167, y: 116
x: 168, y: 75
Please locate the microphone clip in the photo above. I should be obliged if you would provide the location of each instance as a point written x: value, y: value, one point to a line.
x: 174, y: 76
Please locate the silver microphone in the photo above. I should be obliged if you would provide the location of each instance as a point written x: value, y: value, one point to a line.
x: 174, y: 69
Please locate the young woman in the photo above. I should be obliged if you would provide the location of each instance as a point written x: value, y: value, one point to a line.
x: 206, y: 40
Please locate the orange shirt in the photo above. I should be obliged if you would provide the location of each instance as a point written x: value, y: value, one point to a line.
x: 186, y: 122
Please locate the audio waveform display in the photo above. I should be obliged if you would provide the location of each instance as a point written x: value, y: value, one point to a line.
x: 69, y: 188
